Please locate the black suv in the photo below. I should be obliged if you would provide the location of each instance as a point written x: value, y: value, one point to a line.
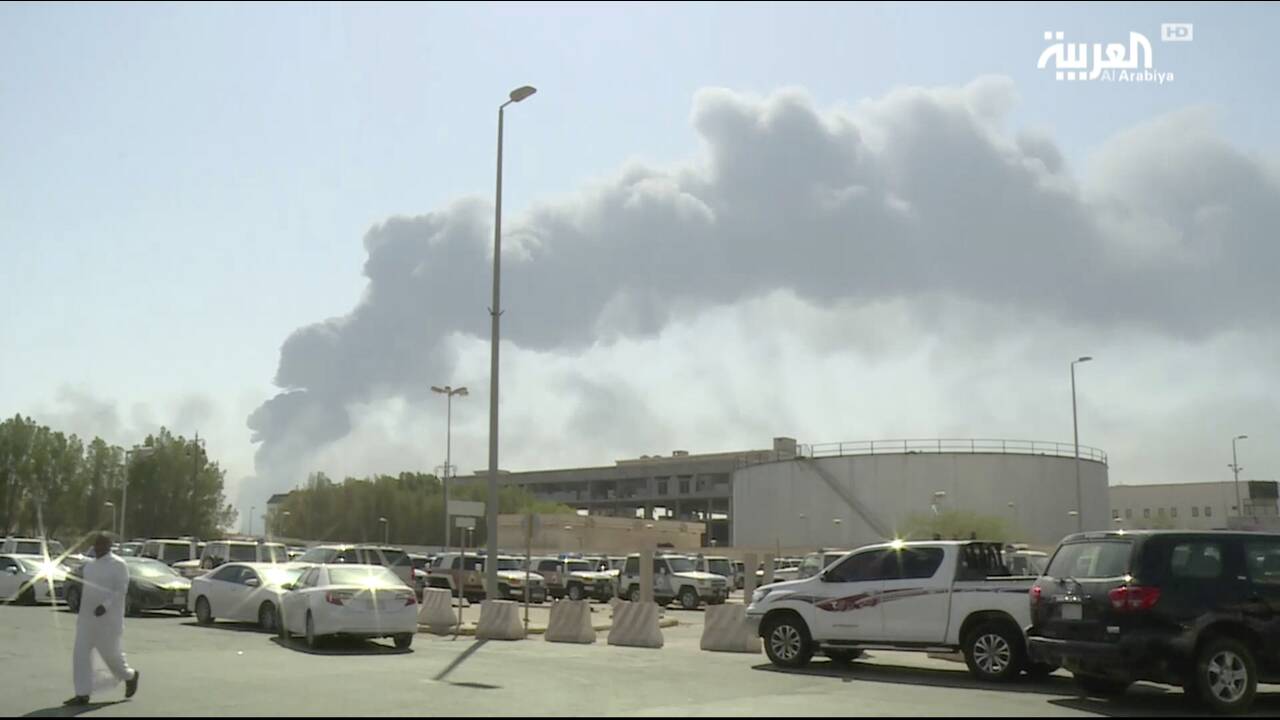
x: 1196, y: 609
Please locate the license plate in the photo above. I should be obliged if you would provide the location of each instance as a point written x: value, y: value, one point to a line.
x: 1072, y: 611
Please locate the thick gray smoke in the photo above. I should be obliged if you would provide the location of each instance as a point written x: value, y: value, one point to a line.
x: 921, y: 194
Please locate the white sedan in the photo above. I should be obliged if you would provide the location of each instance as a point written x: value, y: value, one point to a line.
x: 366, y: 601
x: 244, y: 592
x: 30, y: 579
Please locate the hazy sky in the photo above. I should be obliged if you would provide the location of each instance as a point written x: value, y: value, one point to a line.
x: 727, y: 223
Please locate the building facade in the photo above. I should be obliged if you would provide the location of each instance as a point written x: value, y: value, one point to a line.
x: 1195, y: 506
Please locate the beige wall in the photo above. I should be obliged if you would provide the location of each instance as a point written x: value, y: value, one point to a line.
x: 615, y: 536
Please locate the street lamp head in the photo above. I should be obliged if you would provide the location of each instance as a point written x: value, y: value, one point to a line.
x: 1072, y: 513
x: 442, y: 390
x: 1086, y: 358
x: 382, y: 519
x: 108, y: 504
x: 522, y: 92
x: 1012, y: 504
x: 940, y: 494
x: 461, y: 391
x: 1242, y: 437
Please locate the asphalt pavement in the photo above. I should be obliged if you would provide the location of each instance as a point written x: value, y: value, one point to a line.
x: 236, y: 670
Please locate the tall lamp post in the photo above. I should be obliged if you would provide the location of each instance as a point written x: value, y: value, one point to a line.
x: 113, y: 513
x: 386, y: 530
x: 1235, y: 470
x: 491, y: 509
x: 448, y: 391
x: 1075, y: 431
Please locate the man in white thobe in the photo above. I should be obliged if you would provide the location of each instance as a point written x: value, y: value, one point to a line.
x: 100, y: 626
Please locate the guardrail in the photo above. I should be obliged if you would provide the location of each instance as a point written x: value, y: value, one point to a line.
x: 934, y: 445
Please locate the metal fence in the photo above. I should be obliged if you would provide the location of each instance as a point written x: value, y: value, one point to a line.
x: 935, y: 445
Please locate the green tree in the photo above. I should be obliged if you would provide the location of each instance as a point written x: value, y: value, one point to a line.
x: 957, y: 525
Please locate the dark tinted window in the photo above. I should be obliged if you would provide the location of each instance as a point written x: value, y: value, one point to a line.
x: 1197, y: 560
x: 632, y: 566
x: 863, y: 566
x: 1263, y: 559
x: 1095, y: 559
x: 547, y: 566
x: 913, y: 563
x: 317, y: 555
x: 243, y: 553
x: 226, y: 574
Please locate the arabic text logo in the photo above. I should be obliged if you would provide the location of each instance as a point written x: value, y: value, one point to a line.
x: 1110, y: 62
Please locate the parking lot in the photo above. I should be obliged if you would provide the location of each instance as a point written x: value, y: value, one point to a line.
x: 229, y: 669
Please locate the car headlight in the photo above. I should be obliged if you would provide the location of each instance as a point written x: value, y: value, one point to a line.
x: 760, y: 594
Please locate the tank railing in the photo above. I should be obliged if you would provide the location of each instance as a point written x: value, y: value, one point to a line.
x: 930, y: 445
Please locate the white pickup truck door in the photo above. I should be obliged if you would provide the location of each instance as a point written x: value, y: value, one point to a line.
x: 915, y: 599
x: 847, y: 599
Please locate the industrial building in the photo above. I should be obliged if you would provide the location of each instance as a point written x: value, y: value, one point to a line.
x: 1196, y: 506
x: 796, y: 496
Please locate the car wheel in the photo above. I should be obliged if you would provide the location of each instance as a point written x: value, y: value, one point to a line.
x: 1100, y: 686
x: 73, y: 599
x: 994, y: 652
x: 843, y: 657
x: 1226, y: 676
x: 313, y: 640
x: 787, y: 641
x: 635, y: 593
x: 689, y: 598
x: 403, y: 641
x: 575, y: 592
x: 204, y: 615
x: 267, y: 617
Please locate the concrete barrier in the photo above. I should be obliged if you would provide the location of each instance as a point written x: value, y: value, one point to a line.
x: 436, y: 611
x: 499, y: 620
x: 635, y: 624
x: 725, y: 629
x: 570, y: 622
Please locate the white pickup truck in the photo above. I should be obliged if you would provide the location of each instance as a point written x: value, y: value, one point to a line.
x: 928, y: 596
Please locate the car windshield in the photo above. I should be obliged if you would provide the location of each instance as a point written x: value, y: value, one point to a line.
x: 680, y: 565
x: 172, y: 552
x: 577, y: 566
x: 1096, y: 559
x: 720, y: 567
x: 509, y: 564
x: 242, y: 552
x: 28, y: 547
x: 317, y: 555
x: 151, y: 569
x: 371, y: 576
x: 386, y: 556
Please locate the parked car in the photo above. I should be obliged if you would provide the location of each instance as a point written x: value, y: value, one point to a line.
x: 387, y: 556
x: 1196, y: 609
x: 33, y: 546
x: 451, y: 570
x: 219, y: 552
x: 171, y: 550
x: 937, y: 596
x: 153, y: 585
x: 191, y: 568
x: 574, y: 578
x: 673, y: 578
x: 30, y: 579
x: 243, y: 592
x: 816, y: 562
x: 366, y: 601
x: 716, y: 565
x: 783, y: 569
x: 1026, y: 562
x: 131, y: 549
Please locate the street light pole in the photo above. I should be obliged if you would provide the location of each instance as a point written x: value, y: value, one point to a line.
x: 1075, y: 431
x: 1235, y: 470
x: 448, y: 391
x: 113, y: 514
x: 386, y: 530
x: 491, y: 509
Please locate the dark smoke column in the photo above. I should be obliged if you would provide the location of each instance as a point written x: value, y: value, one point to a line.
x: 491, y: 512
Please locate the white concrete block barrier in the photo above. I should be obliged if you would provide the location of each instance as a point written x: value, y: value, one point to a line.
x: 436, y: 611
x: 570, y: 622
x: 725, y: 629
x: 635, y: 624
x: 499, y: 620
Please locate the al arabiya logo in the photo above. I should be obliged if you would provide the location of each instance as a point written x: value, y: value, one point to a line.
x: 1113, y: 62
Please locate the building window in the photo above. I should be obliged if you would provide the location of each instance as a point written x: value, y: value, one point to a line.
x: 1146, y: 513
x: 662, y: 487
x: 684, y: 487
x: 1173, y: 512
x: 1195, y: 511
x: 1128, y: 513
x: 1115, y: 514
x: 1208, y: 511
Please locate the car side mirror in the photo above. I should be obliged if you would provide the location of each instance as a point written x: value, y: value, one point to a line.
x: 11, y: 570
x: 288, y: 586
x: 252, y: 582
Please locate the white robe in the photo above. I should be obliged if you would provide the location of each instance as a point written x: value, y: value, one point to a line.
x: 106, y: 581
